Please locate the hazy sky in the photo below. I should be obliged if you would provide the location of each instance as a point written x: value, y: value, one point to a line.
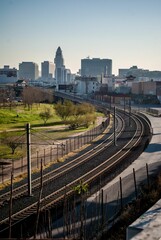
x: 126, y: 31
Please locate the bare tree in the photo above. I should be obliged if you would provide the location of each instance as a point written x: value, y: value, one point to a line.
x: 46, y: 95
x: 7, y: 95
x: 36, y: 95
x: 3, y: 95
x: 28, y: 97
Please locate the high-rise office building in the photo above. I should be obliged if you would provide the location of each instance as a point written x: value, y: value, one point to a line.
x: 59, y: 66
x: 67, y: 76
x: 28, y: 70
x: 96, y: 67
x: 47, y: 69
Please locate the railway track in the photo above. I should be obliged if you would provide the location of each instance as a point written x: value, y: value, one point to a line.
x: 88, y: 167
x: 20, y: 191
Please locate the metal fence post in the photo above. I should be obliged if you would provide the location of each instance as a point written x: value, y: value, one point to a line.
x: 57, y: 152
x: 2, y: 174
x: 50, y: 154
x: 147, y: 172
x: 135, y: 183
x: 121, y: 193
x: 44, y: 157
x: 37, y: 159
x: 22, y: 164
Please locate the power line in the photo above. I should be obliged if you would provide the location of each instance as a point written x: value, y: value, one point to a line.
x: 45, y: 136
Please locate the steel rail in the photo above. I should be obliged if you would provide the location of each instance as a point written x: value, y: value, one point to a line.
x: 52, y: 175
x: 58, y: 195
x: 89, y: 176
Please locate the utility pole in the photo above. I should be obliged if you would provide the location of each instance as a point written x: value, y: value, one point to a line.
x: 39, y: 200
x: 29, y: 158
x: 129, y: 111
x: 114, y: 126
x: 10, y: 207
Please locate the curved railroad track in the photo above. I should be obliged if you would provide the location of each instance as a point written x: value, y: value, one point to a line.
x: 88, y: 167
x: 52, y: 175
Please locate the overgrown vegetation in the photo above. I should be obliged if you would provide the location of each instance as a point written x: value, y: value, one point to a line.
x: 11, y: 141
x: 76, y: 115
x: 18, y: 116
x: 46, y: 114
x: 33, y: 95
x: 148, y: 197
x: 14, y: 147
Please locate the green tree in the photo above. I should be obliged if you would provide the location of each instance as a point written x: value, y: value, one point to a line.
x: 83, y: 115
x: 82, y: 189
x: 46, y: 114
x: 64, y: 110
x: 87, y: 119
x: 84, y: 108
x: 13, y: 142
x: 75, y: 115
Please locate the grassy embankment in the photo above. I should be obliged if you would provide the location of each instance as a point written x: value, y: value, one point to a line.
x: 15, y: 120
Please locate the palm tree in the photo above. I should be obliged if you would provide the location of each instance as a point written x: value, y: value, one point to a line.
x: 81, y: 189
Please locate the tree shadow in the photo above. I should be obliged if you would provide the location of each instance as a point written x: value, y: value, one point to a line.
x: 153, y: 147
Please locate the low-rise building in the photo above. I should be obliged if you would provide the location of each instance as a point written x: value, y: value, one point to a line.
x: 146, y: 88
x: 110, y: 81
x: 140, y: 74
x: 86, y: 85
x: 21, y: 83
x: 8, y: 75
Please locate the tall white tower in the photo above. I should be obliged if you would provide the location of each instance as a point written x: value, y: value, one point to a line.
x: 59, y: 66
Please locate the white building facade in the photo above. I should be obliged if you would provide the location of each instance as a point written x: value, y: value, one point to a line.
x: 86, y: 85
x: 63, y: 75
x: 59, y: 67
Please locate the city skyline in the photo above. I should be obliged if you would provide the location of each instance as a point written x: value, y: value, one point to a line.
x: 128, y: 32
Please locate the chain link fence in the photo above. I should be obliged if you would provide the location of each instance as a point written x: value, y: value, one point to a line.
x: 51, y: 154
x: 99, y: 212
